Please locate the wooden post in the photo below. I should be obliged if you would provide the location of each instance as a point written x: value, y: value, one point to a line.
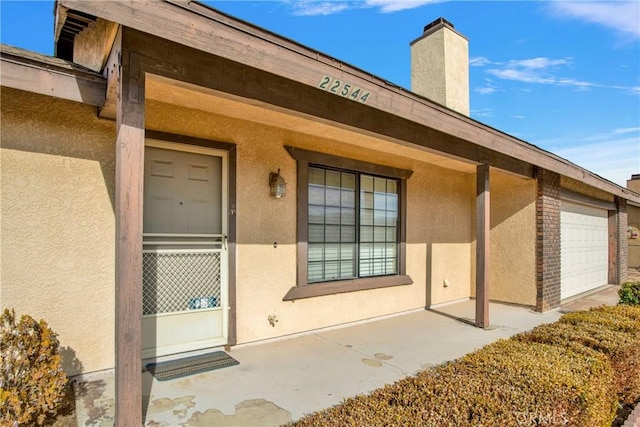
x: 483, y: 207
x: 128, y: 292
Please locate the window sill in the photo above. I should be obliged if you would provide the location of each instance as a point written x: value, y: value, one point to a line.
x: 343, y: 286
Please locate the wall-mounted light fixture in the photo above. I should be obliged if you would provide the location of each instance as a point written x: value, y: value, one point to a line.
x: 277, y: 184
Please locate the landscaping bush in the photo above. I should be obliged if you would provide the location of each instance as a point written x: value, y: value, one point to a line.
x: 507, y: 383
x: 573, y: 372
x: 629, y: 293
x: 32, y: 383
x: 622, y: 348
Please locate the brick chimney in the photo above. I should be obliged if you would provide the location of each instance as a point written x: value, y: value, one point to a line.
x: 633, y: 184
x: 440, y: 66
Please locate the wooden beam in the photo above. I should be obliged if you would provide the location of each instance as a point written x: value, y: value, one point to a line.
x: 29, y: 75
x: 129, y: 187
x: 483, y: 208
x: 195, y: 25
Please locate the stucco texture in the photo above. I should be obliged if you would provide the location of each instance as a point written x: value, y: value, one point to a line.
x: 57, y: 222
x: 512, y: 262
x: 438, y: 227
x: 633, y: 219
x: 440, y: 69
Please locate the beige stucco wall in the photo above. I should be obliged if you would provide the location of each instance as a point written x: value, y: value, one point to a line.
x: 440, y: 68
x: 582, y: 188
x: 633, y: 219
x: 512, y: 262
x: 437, y: 223
x: 57, y: 222
x: 58, y: 231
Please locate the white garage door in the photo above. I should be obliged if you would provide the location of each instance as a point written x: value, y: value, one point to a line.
x: 584, y: 247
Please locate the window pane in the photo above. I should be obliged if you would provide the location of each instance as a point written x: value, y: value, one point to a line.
x: 316, y: 195
x: 392, y: 219
x: 346, y: 269
x: 392, y: 234
x: 314, y: 272
x: 331, y: 270
x: 380, y: 185
x: 316, y: 176
x: 348, y: 216
x: 366, y: 200
x: 379, y: 234
x: 332, y: 233
x: 332, y: 197
x: 347, y: 251
x: 332, y: 215
x: 316, y: 214
x: 366, y: 183
x: 348, y: 180
x: 366, y: 234
x: 348, y: 199
x: 379, y: 217
x: 315, y: 252
x: 366, y: 217
x: 333, y: 251
x: 348, y: 234
x: 392, y: 202
x: 316, y: 233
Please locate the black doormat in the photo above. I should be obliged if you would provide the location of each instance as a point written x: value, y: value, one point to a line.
x: 179, y: 368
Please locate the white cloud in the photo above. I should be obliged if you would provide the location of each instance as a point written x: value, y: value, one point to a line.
x: 621, y: 16
x: 388, y: 6
x: 485, y: 112
x: 487, y: 90
x: 541, y: 70
x: 479, y: 61
x: 314, y: 8
x: 323, y: 7
x: 518, y: 116
x: 538, y: 63
x: 614, y: 155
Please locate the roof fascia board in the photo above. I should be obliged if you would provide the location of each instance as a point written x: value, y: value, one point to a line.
x: 193, y: 24
x: 28, y: 76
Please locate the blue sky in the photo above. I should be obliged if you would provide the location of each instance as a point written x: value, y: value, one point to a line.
x: 562, y: 75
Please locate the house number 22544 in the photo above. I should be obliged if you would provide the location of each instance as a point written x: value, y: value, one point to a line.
x: 342, y: 88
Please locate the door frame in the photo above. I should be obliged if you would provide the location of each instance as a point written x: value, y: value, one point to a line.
x: 204, y: 146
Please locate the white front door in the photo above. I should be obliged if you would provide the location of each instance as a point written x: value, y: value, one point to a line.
x: 185, y: 288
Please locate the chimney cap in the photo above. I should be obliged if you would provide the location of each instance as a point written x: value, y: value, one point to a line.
x: 438, y: 22
x: 635, y: 176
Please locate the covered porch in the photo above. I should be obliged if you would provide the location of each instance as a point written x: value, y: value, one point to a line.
x: 280, y: 381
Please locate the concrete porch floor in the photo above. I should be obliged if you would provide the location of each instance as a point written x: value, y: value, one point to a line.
x: 280, y: 381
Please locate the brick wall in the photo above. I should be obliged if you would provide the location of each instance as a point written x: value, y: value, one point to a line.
x: 547, y: 240
x: 621, y: 234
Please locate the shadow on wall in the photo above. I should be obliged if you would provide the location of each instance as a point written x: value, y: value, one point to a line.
x: 70, y: 362
x: 47, y: 125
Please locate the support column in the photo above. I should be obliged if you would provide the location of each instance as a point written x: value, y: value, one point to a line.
x: 483, y: 208
x: 128, y: 210
x: 548, y: 236
x: 619, y: 274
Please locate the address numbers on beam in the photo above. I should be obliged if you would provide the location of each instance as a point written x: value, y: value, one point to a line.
x: 344, y: 89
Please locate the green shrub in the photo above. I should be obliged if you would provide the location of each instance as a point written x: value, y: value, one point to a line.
x: 629, y: 293
x: 32, y: 383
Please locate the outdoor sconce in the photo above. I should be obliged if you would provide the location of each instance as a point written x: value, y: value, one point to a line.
x: 277, y: 184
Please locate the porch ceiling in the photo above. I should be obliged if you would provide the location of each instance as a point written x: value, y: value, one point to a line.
x: 190, y: 96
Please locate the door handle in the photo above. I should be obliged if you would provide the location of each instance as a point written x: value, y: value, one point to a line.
x: 224, y: 241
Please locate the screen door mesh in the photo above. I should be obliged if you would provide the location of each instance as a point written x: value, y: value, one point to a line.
x: 180, y: 281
